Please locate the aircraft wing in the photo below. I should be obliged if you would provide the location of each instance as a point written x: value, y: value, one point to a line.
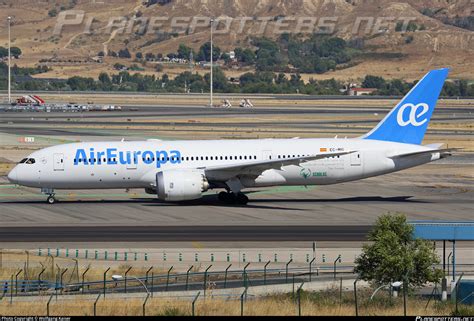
x: 444, y: 153
x: 255, y: 168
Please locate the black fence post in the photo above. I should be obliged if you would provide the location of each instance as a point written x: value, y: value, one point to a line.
x: 168, y: 278
x: 194, y: 302
x: 61, y: 282
x: 265, y: 273
x: 355, y: 297
x: 205, y: 279
x: 146, y: 277
x: 126, y: 272
x: 39, y: 280
x: 187, y: 276
x: 105, y: 278
x: 286, y: 273
x: 310, y: 265
x: 144, y: 304
x: 244, y: 294
x: 95, y: 304
x: 335, y: 262
x: 225, y: 277
x: 83, y: 276
x: 298, y: 297
x: 47, y: 304
x: 16, y: 281
x: 245, y: 275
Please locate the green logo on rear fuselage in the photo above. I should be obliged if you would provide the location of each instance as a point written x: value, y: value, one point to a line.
x: 305, y: 173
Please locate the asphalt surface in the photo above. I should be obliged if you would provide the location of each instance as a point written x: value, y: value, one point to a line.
x: 343, y: 212
x: 346, y: 120
x: 182, y: 233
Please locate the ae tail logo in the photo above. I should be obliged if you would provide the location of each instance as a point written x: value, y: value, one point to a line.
x: 416, y: 112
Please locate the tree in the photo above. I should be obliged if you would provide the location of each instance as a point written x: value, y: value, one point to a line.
x: 205, y: 52
x: 16, y: 52
x: 149, y: 56
x: 118, y: 66
x: 226, y: 58
x: 81, y: 83
x: 184, y: 51
x: 373, y: 82
x: 104, y: 78
x: 139, y: 55
x: 124, y: 53
x: 53, y: 12
x: 245, y: 56
x: 3, y: 52
x: 395, y: 255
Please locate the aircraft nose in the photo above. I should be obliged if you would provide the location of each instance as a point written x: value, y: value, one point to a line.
x: 13, y: 175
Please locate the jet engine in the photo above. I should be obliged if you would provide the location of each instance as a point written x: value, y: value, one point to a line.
x: 181, y: 185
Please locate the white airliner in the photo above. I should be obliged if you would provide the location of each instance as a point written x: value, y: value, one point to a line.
x: 184, y: 170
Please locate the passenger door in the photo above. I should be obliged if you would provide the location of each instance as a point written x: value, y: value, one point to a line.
x: 356, y: 159
x: 267, y: 155
x: 58, y: 162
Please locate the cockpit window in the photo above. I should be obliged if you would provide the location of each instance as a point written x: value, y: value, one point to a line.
x: 30, y: 161
x: 23, y: 161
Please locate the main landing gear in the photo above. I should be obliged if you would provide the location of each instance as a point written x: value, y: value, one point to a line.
x: 231, y: 198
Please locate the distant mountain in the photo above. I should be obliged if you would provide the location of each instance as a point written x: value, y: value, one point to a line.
x: 439, y: 35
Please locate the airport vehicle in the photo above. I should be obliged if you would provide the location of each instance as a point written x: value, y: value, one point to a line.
x: 30, y: 100
x: 183, y: 170
x: 246, y: 103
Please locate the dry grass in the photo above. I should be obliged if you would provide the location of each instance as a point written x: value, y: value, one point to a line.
x: 320, y: 304
x: 5, y: 168
x: 13, y: 261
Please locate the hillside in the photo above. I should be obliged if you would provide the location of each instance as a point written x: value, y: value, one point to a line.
x: 389, y: 54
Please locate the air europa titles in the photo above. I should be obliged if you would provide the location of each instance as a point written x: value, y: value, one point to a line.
x: 112, y: 156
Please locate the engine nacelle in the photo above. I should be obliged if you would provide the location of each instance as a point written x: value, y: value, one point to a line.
x: 181, y: 185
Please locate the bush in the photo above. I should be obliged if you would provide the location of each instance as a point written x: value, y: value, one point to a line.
x: 395, y: 255
x: 53, y: 12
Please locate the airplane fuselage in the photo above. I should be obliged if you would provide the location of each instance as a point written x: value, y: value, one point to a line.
x: 115, y: 165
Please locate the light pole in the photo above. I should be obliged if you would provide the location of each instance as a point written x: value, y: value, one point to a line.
x: 212, y: 65
x: 9, y: 61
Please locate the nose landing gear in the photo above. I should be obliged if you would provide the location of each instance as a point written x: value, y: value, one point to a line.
x: 51, y: 199
x: 50, y: 192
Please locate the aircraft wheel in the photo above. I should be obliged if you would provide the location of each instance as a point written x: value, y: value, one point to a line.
x: 51, y: 200
x: 223, y: 196
x: 229, y: 198
x: 242, y: 199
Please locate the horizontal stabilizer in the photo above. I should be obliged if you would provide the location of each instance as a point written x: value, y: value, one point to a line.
x: 444, y: 153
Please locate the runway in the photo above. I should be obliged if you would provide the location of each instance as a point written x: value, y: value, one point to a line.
x: 182, y: 233
x: 439, y: 191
